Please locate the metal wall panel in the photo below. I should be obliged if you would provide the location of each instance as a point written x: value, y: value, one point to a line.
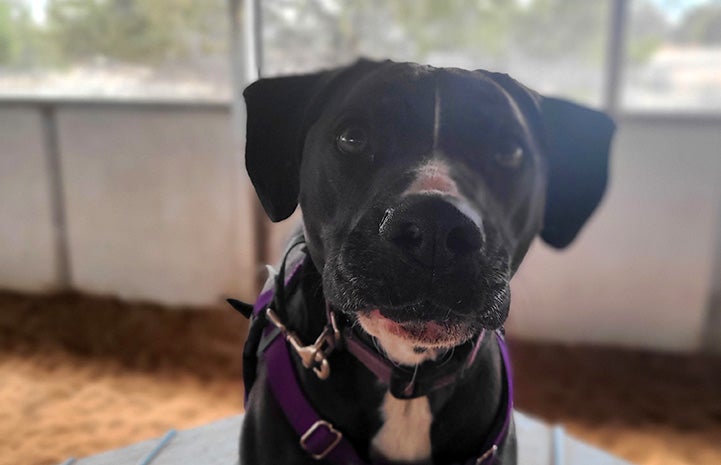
x: 640, y: 274
x: 155, y: 204
x: 27, y: 254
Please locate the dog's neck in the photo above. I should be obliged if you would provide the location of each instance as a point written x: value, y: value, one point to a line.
x: 355, y: 401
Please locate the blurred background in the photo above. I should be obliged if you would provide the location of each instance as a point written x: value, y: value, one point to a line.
x: 126, y: 217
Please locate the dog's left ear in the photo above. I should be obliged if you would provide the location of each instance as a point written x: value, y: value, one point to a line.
x: 276, y: 109
x: 578, y: 142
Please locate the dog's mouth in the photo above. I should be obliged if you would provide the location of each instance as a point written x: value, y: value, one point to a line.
x: 428, y: 333
x: 410, y: 341
x: 407, y: 309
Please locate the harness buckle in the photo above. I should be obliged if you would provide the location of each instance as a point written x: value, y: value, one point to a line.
x: 329, y: 430
x: 313, y: 356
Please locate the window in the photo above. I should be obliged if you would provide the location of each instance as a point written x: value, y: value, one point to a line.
x: 114, y: 48
x: 673, y: 56
x: 178, y: 49
x: 553, y: 46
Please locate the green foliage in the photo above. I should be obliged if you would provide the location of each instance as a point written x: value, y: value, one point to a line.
x: 454, y: 25
x: 552, y: 29
x: 642, y: 49
x: 141, y: 31
x: 702, y: 25
x: 135, y: 31
x: 648, y: 31
x: 557, y: 29
x: 8, y: 43
x: 480, y: 30
x: 178, y: 31
x: 19, y: 37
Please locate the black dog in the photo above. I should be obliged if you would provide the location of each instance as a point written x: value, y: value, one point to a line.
x: 421, y: 190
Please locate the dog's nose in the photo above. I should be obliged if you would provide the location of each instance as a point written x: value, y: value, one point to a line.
x: 431, y: 230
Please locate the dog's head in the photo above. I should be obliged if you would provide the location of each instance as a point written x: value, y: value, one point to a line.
x: 422, y: 188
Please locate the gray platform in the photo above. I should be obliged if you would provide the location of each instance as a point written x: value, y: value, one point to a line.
x: 217, y: 444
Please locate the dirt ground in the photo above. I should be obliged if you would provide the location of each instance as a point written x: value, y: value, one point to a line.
x: 80, y: 375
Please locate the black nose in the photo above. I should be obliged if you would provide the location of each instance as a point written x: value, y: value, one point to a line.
x: 431, y: 230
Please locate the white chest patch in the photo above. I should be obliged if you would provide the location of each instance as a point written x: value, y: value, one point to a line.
x: 406, y: 431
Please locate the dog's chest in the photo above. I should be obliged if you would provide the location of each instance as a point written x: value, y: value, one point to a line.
x: 406, y: 431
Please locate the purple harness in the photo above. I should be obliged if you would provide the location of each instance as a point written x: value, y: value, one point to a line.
x: 318, y: 437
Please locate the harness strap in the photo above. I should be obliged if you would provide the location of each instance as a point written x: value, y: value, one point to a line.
x: 500, y: 429
x: 322, y: 440
x: 259, y: 322
x: 318, y: 437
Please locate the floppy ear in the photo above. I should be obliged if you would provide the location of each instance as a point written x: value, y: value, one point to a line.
x: 280, y: 112
x: 275, y: 134
x: 578, y: 141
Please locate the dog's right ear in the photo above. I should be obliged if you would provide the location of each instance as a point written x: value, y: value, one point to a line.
x: 275, y: 133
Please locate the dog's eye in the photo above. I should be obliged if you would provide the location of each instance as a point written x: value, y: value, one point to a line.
x: 510, y: 158
x: 352, y: 140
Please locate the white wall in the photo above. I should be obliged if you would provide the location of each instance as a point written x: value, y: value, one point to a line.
x: 641, y: 273
x: 158, y: 208
x: 155, y: 199
x: 27, y: 256
x: 151, y: 201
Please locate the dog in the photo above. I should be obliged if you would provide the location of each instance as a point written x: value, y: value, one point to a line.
x: 421, y: 189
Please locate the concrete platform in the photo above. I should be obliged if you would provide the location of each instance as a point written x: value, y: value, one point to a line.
x: 217, y: 444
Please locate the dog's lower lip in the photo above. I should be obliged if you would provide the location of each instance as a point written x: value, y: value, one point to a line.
x: 428, y: 331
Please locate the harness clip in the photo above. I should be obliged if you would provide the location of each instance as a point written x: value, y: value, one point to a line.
x: 313, y: 356
x: 490, y: 453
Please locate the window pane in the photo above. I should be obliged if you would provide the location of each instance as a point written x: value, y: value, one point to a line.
x: 553, y: 46
x: 673, y: 60
x: 114, y: 48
